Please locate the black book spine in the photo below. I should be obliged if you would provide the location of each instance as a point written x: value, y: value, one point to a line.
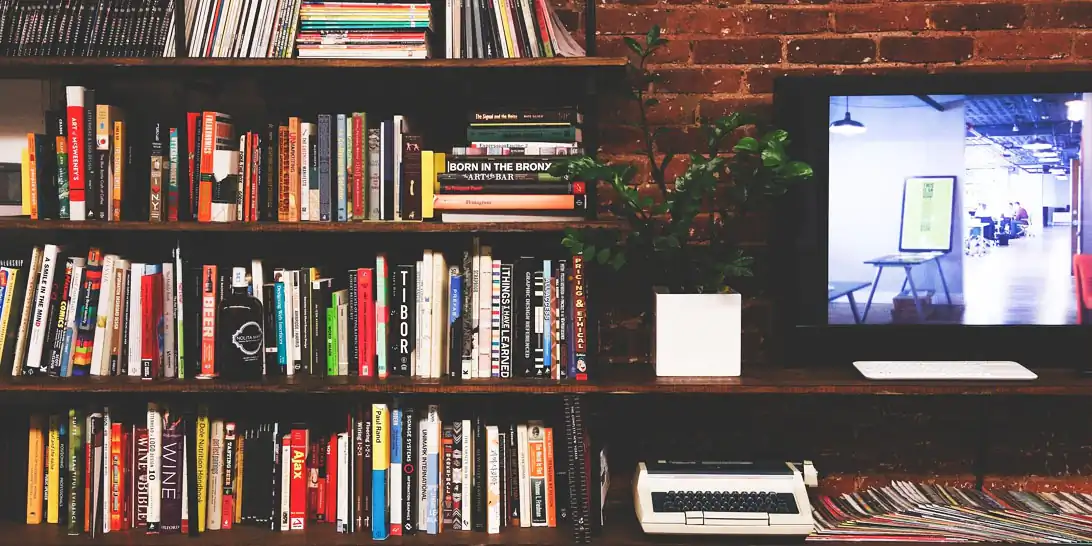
x: 469, y: 359
x: 564, y: 356
x: 479, y: 502
x: 275, y: 506
x: 51, y: 365
x: 170, y: 477
x: 409, y: 471
x: 320, y: 295
x: 540, y: 335
x: 447, y: 451
x: 403, y: 313
x: 387, y: 180
x: 90, y: 157
x: 456, y: 322
x: 353, y: 332
x: 195, y: 173
x: 59, y: 321
x: 62, y: 464
x: 411, y: 177
x: 303, y: 365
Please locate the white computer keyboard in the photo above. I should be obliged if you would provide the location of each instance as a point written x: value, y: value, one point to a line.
x: 983, y: 370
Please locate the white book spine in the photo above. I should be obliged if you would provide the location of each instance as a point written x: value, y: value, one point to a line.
x: 257, y: 279
x: 423, y: 470
x: 136, y: 272
x: 395, y: 477
x: 438, y: 362
x: 216, y: 475
x: 485, y: 309
x: 286, y: 485
x: 492, y: 482
x: 524, y: 477
x: 418, y: 312
x: 41, y: 306
x: 494, y: 321
x: 424, y: 347
x: 343, y: 491
x: 432, y: 430
x: 305, y: 172
x: 297, y: 347
x: 170, y: 356
x: 468, y: 470
x: 470, y: 366
x: 100, y: 350
x: 155, y: 450
x: 179, y: 314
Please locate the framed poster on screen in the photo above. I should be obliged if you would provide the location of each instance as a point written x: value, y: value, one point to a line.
x: 928, y: 214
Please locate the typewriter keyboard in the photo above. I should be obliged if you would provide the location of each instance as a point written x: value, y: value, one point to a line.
x: 724, y: 501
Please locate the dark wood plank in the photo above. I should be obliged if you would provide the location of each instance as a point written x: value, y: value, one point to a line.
x: 630, y: 379
x: 302, y: 227
x: 17, y: 63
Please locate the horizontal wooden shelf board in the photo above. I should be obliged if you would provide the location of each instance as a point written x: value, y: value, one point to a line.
x: 302, y: 227
x: 631, y: 379
x: 15, y: 63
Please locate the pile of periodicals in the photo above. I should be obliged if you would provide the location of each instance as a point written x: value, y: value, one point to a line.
x: 917, y: 512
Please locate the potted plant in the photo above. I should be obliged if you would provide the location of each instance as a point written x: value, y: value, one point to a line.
x: 684, y: 240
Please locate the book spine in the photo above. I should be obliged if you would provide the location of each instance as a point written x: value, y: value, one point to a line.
x: 380, y: 466
x: 447, y: 454
x: 325, y: 128
x: 227, y: 504
x: 536, y: 470
x: 155, y: 452
x: 432, y: 466
x: 298, y: 510
x: 77, y: 165
x: 339, y: 169
x: 209, y: 304
x: 579, y: 320
x: 492, y: 453
x: 172, y: 176
x: 171, y: 473
x: 141, y: 501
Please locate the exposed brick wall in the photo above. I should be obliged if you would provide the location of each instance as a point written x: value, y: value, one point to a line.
x: 724, y: 55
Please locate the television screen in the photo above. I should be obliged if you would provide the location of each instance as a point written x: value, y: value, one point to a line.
x: 953, y: 209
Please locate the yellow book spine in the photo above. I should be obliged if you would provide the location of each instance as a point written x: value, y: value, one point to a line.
x: 428, y: 182
x: 53, y: 472
x: 239, y: 480
x: 202, y: 467
x: 381, y: 418
x: 117, y: 176
x: 35, y: 466
x: 7, y: 313
x: 24, y: 184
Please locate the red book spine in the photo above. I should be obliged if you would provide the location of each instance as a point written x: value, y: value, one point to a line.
x: 193, y: 159
x: 315, y: 502
x: 126, y: 478
x: 358, y: 168
x: 365, y: 321
x: 147, y: 327
x: 331, y: 479
x: 208, y: 146
x: 77, y: 164
x: 297, y: 508
x: 208, y: 322
x: 117, y: 478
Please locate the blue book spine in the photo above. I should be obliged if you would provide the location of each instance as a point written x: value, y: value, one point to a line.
x: 66, y: 351
x: 395, y: 475
x: 432, y: 488
x: 282, y: 331
x: 547, y: 317
x: 342, y: 187
x: 323, y: 162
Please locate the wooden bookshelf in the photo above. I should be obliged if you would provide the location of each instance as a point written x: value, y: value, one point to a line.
x: 24, y: 224
x: 618, y: 380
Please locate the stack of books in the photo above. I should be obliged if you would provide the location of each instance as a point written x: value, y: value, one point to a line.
x: 506, y: 29
x: 503, y: 175
x: 383, y: 468
x: 239, y: 29
x: 363, y: 30
x: 919, y: 512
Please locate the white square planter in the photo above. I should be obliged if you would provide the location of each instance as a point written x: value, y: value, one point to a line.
x: 698, y: 335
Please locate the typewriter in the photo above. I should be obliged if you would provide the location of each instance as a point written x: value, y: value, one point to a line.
x: 724, y: 498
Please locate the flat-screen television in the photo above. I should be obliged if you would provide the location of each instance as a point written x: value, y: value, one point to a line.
x: 941, y: 222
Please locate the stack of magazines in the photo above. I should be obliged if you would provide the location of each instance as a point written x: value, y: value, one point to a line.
x: 915, y: 512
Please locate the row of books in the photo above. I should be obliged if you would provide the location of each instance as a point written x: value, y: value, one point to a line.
x: 87, y: 28
x: 506, y: 29
x: 386, y: 469
x: 282, y: 29
x: 89, y: 164
x: 927, y: 512
x: 477, y: 315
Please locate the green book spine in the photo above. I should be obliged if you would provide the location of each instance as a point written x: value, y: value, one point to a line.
x: 331, y: 341
x: 75, y: 476
x: 524, y: 134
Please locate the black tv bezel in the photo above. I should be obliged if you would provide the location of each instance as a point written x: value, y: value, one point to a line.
x: 798, y: 245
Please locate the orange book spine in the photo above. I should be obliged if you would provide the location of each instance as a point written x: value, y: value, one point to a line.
x: 209, y: 283
x: 293, y: 169
x: 117, y: 478
x: 551, y: 499
x: 508, y: 202
x: 204, y: 188
x: 244, y: 176
x: 282, y: 173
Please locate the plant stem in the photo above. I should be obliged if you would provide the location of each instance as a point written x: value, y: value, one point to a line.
x: 650, y: 151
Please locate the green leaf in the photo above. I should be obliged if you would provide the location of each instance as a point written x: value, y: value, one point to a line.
x: 633, y: 45
x: 777, y: 135
x: 653, y: 36
x: 618, y: 261
x: 603, y: 255
x: 773, y: 155
x: 589, y: 250
x: 747, y: 144
x: 797, y: 169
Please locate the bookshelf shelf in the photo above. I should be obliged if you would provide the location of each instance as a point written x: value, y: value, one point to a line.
x: 631, y: 379
x: 302, y: 227
x: 20, y: 64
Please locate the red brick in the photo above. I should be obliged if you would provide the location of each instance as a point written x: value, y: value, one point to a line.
x: 698, y: 80
x: 671, y: 110
x: 881, y: 18
x: 1024, y: 45
x: 620, y: 139
x: 883, y: 70
x: 832, y: 51
x: 760, y: 105
x: 926, y: 49
x: 629, y: 20
x: 977, y: 16
x: 785, y: 21
x: 1082, y: 46
x: 1060, y: 15
x: 995, y: 67
x: 738, y: 51
x: 632, y: 2
x: 680, y: 140
x: 703, y: 20
x: 672, y: 52
x: 761, y: 80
